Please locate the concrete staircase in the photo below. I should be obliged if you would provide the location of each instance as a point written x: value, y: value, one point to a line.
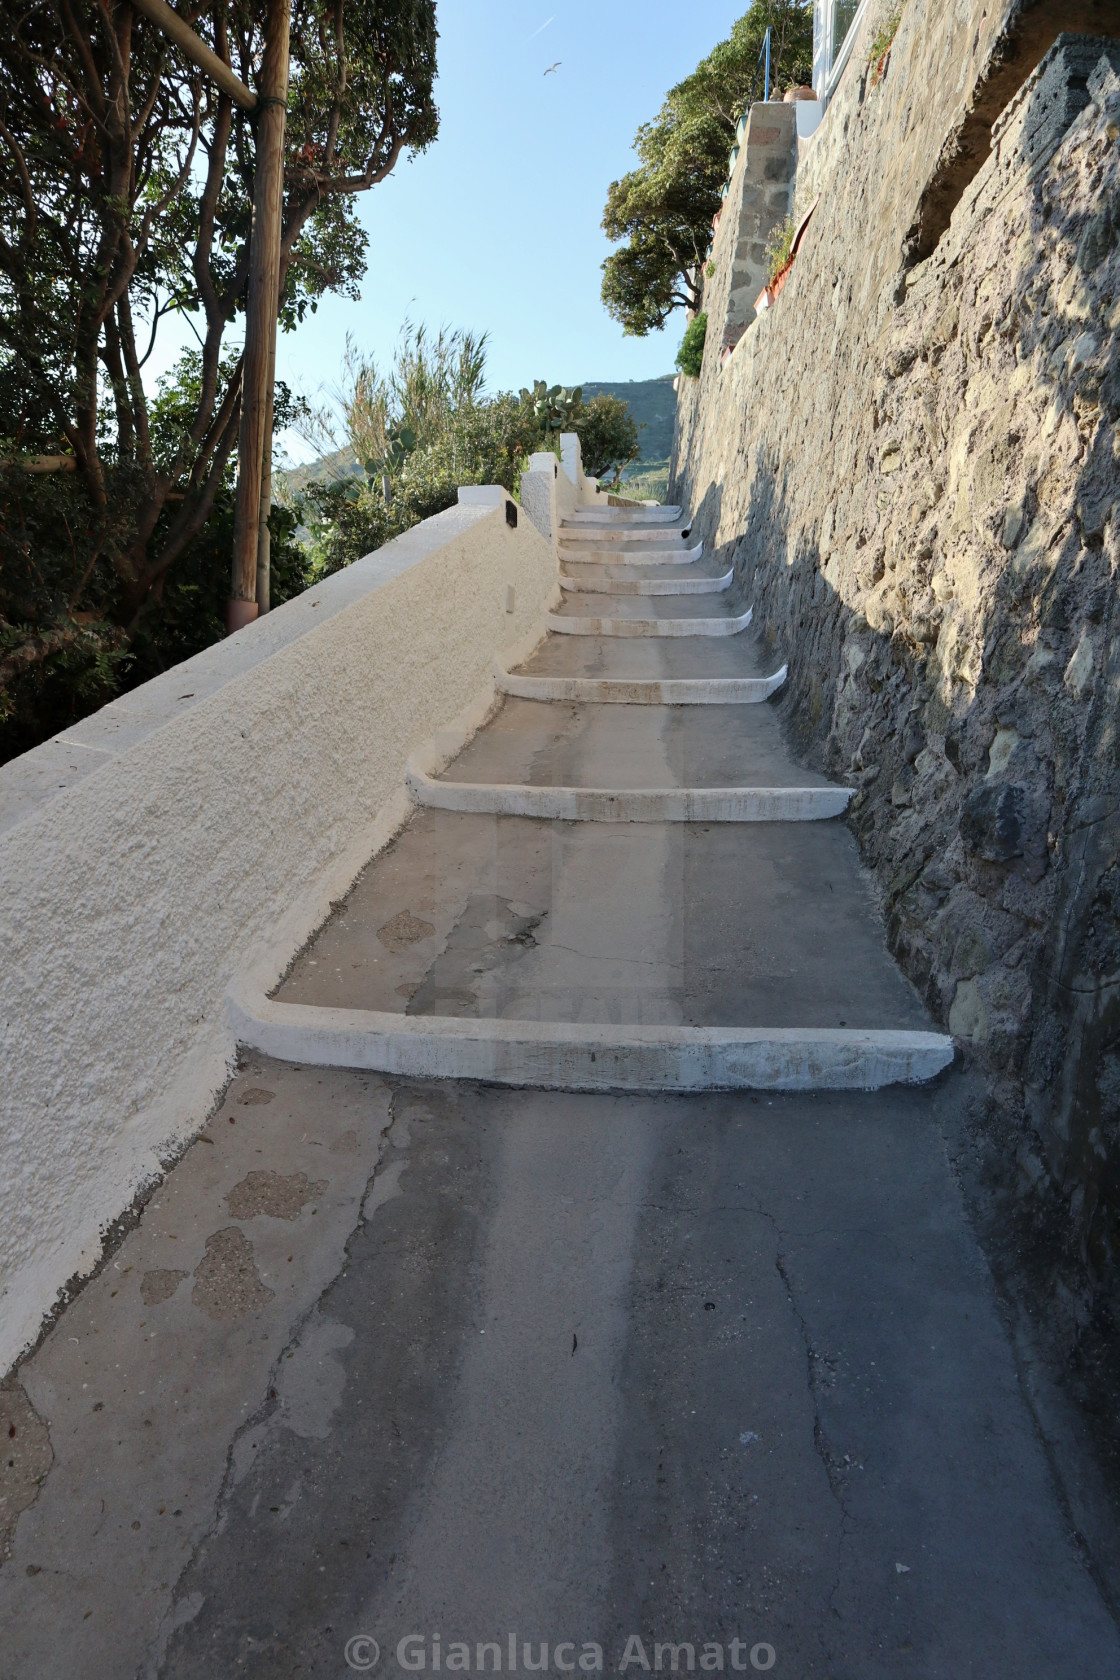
x: 561, y: 913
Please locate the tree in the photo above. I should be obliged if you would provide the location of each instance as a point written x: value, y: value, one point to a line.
x: 126, y: 199
x: 663, y: 210
x: 608, y: 435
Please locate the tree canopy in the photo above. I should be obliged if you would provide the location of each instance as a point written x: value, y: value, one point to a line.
x: 661, y: 213
x: 126, y: 199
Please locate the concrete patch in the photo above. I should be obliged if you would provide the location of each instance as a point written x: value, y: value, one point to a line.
x: 404, y: 930
x: 144, y: 1399
x: 25, y: 1458
x: 160, y: 1284
x: 228, y: 1285
x: 310, y: 1379
x: 272, y: 1195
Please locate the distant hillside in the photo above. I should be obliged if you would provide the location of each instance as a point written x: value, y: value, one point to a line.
x: 342, y: 464
x: 652, y: 401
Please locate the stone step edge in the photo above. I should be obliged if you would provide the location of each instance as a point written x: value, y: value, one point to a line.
x: 564, y: 626
x: 662, y: 691
x: 626, y: 805
x: 694, y: 585
x: 618, y: 557
x: 560, y: 1056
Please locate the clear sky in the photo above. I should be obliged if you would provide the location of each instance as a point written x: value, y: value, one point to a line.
x: 496, y: 227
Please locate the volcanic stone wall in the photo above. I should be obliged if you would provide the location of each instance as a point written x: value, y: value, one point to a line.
x: 914, y: 466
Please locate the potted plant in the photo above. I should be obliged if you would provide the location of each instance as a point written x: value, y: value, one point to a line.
x: 785, y: 241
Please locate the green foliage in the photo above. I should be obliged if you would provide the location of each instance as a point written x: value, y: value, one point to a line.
x: 125, y: 198
x: 647, y: 482
x: 434, y: 430
x: 652, y: 404
x: 661, y: 213
x: 690, y: 356
x: 608, y: 436
x: 779, y: 248
x: 882, y: 41
x: 552, y: 407
x: 59, y: 659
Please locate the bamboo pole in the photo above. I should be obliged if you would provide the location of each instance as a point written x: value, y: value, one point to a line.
x: 260, y: 316
x: 172, y: 25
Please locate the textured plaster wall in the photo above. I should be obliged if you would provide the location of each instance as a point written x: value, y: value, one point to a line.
x: 915, y: 472
x: 155, y: 850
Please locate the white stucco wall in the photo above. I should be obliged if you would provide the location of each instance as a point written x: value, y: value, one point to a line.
x: 153, y: 851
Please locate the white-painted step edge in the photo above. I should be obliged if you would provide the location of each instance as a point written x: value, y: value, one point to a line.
x: 621, y: 557
x: 621, y: 805
x: 558, y: 1056
x: 624, y: 516
x: 586, y: 536
x: 564, y: 626
x: 664, y: 691
x: 611, y: 583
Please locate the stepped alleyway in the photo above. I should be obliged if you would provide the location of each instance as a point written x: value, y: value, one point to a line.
x: 675, y: 1332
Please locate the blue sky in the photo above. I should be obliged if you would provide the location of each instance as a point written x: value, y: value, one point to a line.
x: 496, y: 227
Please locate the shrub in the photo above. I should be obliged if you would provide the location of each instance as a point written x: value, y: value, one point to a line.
x: 690, y: 356
x: 882, y: 43
x: 779, y: 248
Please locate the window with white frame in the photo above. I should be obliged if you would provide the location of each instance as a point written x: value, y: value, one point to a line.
x: 835, y: 23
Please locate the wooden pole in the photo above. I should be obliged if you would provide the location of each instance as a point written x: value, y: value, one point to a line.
x: 264, y: 537
x: 172, y: 25
x: 260, y: 315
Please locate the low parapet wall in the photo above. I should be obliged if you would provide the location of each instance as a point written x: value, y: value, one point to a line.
x: 155, y: 850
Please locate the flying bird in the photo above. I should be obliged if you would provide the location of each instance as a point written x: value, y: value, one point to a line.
x: 552, y: 69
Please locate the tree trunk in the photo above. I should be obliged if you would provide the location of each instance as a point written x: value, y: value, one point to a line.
x: 260, y: 321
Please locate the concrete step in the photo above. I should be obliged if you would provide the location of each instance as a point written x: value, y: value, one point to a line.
x: 557, y: 1055
x: 573, y: 626
x: 612, y: 582
x: 627, y: 805
x: 587, y: 536
x: 624, y: 516
x: 679, y: 691
x: 598, y: 556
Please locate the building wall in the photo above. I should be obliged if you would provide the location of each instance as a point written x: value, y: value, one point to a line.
x: 758, y: 199
x: 164, y: 843
x: 914, y: 470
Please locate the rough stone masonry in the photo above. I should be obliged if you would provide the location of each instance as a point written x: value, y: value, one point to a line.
x: 914, y: 464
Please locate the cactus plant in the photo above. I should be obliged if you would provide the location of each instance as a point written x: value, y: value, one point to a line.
x: 553, y: 407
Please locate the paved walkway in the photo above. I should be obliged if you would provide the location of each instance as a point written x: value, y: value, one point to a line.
x: 667, y: 1382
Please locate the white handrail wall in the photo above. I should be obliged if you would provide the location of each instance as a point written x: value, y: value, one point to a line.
x: 151, y: 852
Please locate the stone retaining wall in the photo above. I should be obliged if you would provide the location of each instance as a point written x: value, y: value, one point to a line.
x: 915, y: 472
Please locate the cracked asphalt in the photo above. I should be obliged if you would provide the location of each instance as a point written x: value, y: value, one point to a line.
x: 493, y: 1380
